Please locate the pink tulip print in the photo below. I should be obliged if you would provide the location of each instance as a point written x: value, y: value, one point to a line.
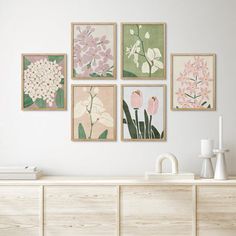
x: 93, y: 51
x: 143, y: 113
x: 193, y: 82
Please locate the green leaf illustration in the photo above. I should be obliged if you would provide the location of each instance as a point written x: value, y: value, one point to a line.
x: 40, y: 103
x: 26, y: 63
x: 27, y: 101
x: 109, y: 75
x: 146, y: 123
x: 209, y: 106
x: 128, y: 74
x: 142, y: 128
x: 103, y: 135
x: 95, y: 75
x: 60, y: 98
x: 131, y: 126
x: 58, y: 59
x: 162, y: 135
x: 82, y: 134
x: 203, y: 103
x: 74, y: 73
x: 155, y: 132
x: 62, y: 81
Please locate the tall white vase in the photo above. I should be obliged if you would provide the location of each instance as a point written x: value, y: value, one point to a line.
x: 221, y: 169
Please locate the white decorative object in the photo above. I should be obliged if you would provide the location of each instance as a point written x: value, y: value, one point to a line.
x: 220, y: 132
x: 174, y: 175
x: 207, y: 171
x: 172, y: 158
x: 221, y: 169
x: 207, y: 147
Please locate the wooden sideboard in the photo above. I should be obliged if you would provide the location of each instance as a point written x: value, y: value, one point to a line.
x: 115, y: 206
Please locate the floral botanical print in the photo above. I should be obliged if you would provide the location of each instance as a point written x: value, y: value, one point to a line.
x: 43, y: 82
x: 143, y: 51
x: 93, y: 115
x: 193, y: 82
x: 144, y: 113
x: 93, y: 51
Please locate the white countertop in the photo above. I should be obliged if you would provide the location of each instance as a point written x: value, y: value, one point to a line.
x: 114, y: 180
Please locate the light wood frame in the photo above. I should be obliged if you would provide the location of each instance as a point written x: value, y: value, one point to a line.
x: 22, y: 82
x: 122, y: 51
x: 114, y: 50
x: 73, y: 86
x: 172, y: 82
x: 164, y: 113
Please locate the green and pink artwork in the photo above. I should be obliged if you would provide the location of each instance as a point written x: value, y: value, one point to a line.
x: 143, y: 112
x: 143, y: 51
x: 43, y: 81
x: 93, y: 112
x: 193, y: 82
x: 94, y: 50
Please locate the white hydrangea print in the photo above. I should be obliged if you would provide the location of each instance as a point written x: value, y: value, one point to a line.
x: 42, y: 79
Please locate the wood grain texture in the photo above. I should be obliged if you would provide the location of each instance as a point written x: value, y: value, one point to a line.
x: 19, y: 211
x: 216, y: 210
x: 80, y: 210
x: 156, y: 210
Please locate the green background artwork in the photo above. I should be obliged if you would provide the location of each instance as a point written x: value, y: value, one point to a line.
x: 150, y: 36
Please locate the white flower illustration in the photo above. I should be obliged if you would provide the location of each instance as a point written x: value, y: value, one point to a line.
x: 153, y: 56
x: 96, y: 108
x: 147, y: 35
x: 42, y: 80
x: 131, y: 32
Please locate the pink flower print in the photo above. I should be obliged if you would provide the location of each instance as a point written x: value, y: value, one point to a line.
x: 106, y: 55
x: 191, y: 88
x: 204, y: 92
x: 87, y: 70
x: 188, y: 68
x: 180, y: 95
x: 205, y: 79
x: 93, y: 53
x: 102, y: 67
x: 103, y: 42
x: 153, y: 105
x: 185, y: 103
x: 182, y: 78
x: 89, y: 42
x: 136, y: 99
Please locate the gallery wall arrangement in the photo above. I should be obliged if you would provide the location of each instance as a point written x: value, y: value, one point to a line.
x: 143, y: 106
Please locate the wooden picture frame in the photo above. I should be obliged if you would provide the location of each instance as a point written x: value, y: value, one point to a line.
x: 84, y: 116
x: 193, y: 82
x: 106, y: 33
x: 134, y: 65
x: 147, y: 109
x: 40, y: 92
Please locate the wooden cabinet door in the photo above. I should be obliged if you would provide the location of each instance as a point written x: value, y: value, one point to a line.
x: 216, y: 210
x: 156, y: 210
x: 19, y: 211
x: 80, y: 210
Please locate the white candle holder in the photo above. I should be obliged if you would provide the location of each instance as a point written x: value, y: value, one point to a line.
x: 221, y: 169
x: 207, y: 171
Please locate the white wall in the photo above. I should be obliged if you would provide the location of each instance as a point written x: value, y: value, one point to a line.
x: 43, y: 138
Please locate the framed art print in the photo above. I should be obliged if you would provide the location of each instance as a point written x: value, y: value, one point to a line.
x: 143, y: 51
x: 143, y: 113
x: 93, y: 112
x: 93, y: 51
x: 43, y: 81
x: 193, y: 82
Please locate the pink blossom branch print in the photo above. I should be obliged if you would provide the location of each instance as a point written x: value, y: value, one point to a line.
x: 92, y: 53
x: 194, y: 84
